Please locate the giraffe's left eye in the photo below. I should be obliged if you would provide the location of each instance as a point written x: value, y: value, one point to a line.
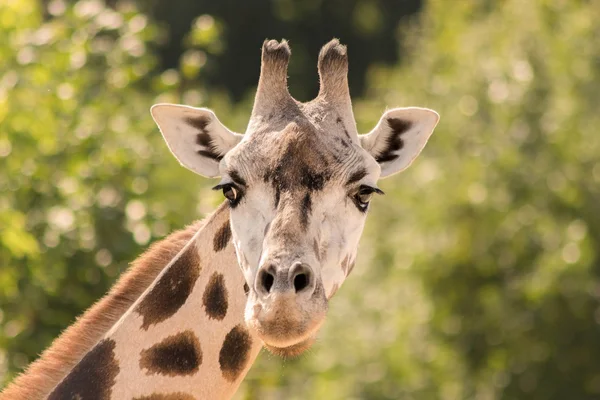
x: 364, y: 195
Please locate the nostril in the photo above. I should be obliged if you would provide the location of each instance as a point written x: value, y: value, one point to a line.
x: 267, y: 280
x: 300, y: 282
x: 301, y: 278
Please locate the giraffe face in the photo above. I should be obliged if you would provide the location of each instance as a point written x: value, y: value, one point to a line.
x: 299, y: 184
x: 299, y: 199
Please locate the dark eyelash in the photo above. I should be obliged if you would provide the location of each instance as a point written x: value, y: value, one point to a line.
x: 370, y: 189
x: 364, y: 189
x: 221, y: 186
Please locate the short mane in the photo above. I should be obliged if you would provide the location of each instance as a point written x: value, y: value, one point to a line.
x: 66, y: 350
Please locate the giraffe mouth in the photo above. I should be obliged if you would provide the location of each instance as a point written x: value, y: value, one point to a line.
x: 286, y: 331
x: 289, y: 339
x: 287, y: 323
x: 291, y: 351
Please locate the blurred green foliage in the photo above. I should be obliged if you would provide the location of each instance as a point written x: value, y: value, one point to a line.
x: 226, y: 34
x: 85, y: 182
x: 478, y: 271
x: 233, y: 58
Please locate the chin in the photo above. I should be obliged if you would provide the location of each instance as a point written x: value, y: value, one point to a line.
x: 286, y: 326
x: 287, y: 338
x: 291, y: 351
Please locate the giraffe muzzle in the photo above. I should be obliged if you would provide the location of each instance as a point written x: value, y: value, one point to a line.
x: 288, y: 307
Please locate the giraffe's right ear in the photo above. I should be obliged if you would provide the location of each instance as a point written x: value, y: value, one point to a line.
x: 195, y: 136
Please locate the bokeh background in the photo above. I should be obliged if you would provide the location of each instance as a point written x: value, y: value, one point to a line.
x: 478, y: 273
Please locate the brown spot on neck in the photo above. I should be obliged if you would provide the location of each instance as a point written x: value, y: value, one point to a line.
x: 172, y: 289
x: 93, y: 377
x: 176, y: 355
x: 235, y: 353
x: 222, y: 237
x: 215, y: 297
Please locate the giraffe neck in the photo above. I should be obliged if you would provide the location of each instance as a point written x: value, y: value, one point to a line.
x: 183, y: 338
x: 67, y: 350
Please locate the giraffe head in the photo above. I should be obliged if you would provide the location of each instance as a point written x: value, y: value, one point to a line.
x: 298, y: 183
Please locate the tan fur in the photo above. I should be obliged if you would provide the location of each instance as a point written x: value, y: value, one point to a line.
x: 66, y: 351
x: 333, y: 72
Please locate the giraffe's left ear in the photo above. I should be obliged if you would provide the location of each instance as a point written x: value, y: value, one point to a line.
x: 195, y: 136
x: 399, y: 137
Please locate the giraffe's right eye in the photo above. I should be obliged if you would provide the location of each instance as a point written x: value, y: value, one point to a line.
x: 230, y: 193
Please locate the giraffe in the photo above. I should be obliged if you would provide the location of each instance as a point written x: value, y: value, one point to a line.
x: 191, y: 315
